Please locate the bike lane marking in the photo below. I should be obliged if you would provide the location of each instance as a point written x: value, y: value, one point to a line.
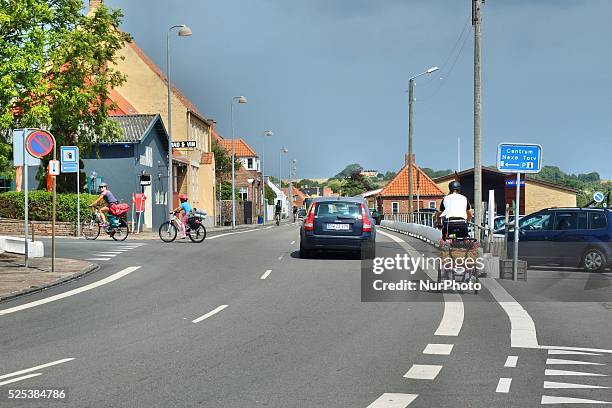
x: 72, y: 292
x: 209, y: 314
x: 29, y: 370
x: 266, y: 274
x: 393, y: 400
x: 503, y: 385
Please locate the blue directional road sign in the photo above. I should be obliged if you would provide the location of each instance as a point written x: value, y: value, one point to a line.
x: 519, y: 158
x: 70, y: 159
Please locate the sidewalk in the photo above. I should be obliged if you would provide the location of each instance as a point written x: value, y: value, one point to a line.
x: 15, y: 280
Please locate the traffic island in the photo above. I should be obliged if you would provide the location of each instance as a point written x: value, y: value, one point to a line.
x: 16, y: 280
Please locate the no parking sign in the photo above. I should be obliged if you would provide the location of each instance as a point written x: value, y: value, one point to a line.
x: 39, y: 143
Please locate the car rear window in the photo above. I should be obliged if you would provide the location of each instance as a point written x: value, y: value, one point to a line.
x: 598, y: 220
x: 338, y: 208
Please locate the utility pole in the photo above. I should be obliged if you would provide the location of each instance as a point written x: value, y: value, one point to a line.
x: 410, y: 135
x: 477, y: 22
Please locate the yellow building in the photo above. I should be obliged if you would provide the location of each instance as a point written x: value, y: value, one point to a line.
x: 145, y: 91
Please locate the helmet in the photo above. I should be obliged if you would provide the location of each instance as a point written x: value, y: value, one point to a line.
x: 102, y: 185
x: 183, y: 197
x: 454, y: 186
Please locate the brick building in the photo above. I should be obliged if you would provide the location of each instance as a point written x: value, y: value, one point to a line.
x: 394, y: 197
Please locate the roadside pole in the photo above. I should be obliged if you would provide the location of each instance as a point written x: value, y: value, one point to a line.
x: 517, y: 210
x: 477, y: 22
x: 78, y: 200
x: 53, y: 212
x: 25, y: 199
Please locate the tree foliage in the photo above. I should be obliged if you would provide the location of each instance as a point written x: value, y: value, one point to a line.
x: 57, y: 67
x: 223, y: 162
x: 349, y: 170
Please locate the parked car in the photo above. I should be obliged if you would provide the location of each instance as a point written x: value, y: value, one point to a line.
x: 566, y: 236
x: 338, y: 224
x: 301, y: 213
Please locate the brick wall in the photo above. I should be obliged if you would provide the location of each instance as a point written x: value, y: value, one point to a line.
x: 41, y: 228
x: 538, y: 197
x: 226, y: 212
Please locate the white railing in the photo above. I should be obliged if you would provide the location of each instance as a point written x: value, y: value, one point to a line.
x: 423, y: 218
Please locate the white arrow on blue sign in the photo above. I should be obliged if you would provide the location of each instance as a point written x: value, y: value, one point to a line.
x: 519, y: 158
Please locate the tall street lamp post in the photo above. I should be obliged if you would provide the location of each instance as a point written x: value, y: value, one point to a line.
x: 410, y: 134
x: 239, y: 99
x: 183, y: 32
x: 280, y: 168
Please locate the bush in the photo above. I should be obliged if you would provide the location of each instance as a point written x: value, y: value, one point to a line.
x: 41, y: 205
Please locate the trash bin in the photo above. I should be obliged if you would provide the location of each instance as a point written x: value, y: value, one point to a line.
x: 506, y: 270
x: 259, y: 219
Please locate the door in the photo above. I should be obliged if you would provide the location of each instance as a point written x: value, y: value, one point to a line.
x: 148, y: 214
x: 568, y: 237
x: 534, y: 237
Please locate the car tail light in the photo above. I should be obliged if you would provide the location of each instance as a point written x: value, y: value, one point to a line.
x: 367, y: 224
x: 309, y: 221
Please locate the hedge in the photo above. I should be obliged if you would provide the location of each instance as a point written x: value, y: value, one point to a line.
x: 41, y: 205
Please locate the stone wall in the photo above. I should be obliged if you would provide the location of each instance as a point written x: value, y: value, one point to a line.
x: 226, y: 212
x: 40, y: 228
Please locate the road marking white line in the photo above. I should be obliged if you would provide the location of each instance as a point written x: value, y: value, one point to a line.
x: 36, y: 368
x: 547, y: 400
x: 266, y: 273
x: 594, y: 350
x: 561, y: 385
x: 111, y: 252
x: 576, y: 373
x: 452, y: 319
x: 511, y: 361
x: 264, y: 228
x: 522, y: 328
x: 571, y: 352
x: 292, y: 242
x: 25, y: 377
x: 440, y: 349
x: 393, y: 400
x: 231, y: 233
x: 280, y: 257
x: 105, y: 255
x: 558, y: 361
x: 85, y: 288
x: 433, y: 274
x: 97, y: 259
x: 423, y: 372
x: 503, y: 385
x: 209, y: 314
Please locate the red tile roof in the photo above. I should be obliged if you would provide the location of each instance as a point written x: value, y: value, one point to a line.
x: 241, y: 148
x: 179, y: 158
x: 296, y: 192
x: 399, y: 185
x: 123, y: 106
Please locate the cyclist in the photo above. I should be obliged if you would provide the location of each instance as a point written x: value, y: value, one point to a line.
x: 455, y: 212
x: 109, y: 199
x: 295, y: 210
x: 277, y: 211
x: 185, y: 208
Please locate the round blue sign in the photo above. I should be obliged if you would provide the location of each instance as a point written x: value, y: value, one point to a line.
x: 39, y: 143
x: 598, y: 196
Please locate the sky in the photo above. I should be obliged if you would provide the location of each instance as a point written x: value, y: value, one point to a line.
x: 329, y: 77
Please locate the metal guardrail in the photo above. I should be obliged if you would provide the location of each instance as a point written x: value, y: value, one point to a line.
x: 423, y: 218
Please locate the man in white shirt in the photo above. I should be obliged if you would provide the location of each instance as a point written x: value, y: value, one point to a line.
x: 455, y: 212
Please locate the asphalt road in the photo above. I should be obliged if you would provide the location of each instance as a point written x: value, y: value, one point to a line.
x: 241, y: 321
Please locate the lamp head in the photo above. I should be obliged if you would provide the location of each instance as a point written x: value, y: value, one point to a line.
x: 185, y: 31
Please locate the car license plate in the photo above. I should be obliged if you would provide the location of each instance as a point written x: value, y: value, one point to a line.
x: 338, y: 227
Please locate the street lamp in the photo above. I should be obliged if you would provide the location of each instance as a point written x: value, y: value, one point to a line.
x: 267, y: 133
x: 184, y: 31
x: 410, y: 134
x: 292, y: 168
x: 239, y: 99
x: 280, y: 168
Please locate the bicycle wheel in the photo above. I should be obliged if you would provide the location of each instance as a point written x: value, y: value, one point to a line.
x: 90, y: 229
x: 167, y: 231
x: 277, y: 220
x: 198, y: 234
x: 121, y: 232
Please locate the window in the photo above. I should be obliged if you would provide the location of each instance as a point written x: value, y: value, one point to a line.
x: 536, y: 222
x: 333, y: 209
x: 597, y: 220
x: 250, y: 163
x: 147, y: 158
x: 395, y: 207
x: 244, y: 193
x: 566, y: 221
x: 432, y: 205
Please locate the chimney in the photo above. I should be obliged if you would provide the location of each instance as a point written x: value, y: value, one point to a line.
x: 406, y: 159
x: 94, y: 4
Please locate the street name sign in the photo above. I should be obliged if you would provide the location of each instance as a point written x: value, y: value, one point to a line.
x: 184, y: 144
x: 519, y: 158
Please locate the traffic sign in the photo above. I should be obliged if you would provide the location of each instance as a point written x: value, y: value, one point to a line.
x: 184, y: 144
x: 598, y: 196
x: 18, y: 151
x: 69, y: 167
x: 54, y: 167
x: 519, y: 158
x: 69, y: 154
x: 39, y: 143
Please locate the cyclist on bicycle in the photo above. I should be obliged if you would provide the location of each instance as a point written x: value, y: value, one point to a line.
x: 295, y: 210
x: 109, y: 199
x: 455, y: 212
x: 278, y: 209
x: 185, y: 208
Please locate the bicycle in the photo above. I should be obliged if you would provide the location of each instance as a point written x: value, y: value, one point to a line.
x: 118, y: 228
x: 455, y: 249
x: 194, y: 228
x: 277, y: 218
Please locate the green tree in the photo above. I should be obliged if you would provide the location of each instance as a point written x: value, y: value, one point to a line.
x: 57, y: 67
x: 336, y: 185
x: 356, y: 184
x: 223, y: 162
x: 348, y: 171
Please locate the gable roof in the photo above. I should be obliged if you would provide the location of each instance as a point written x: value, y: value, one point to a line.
x: 241, y: 148
x: 207, y: 158
x: 137, y: 127
x: 399, y: 185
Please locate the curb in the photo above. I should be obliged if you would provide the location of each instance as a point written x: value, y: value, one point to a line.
x: 91, y: 268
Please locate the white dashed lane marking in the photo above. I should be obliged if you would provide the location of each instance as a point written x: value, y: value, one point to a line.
x: 439, y: 349
x: 556, y: 361
x: 561, y: 385
x: 266, y: 274
x: 423, y: 372
x: 576, y: 373
x: 209, y: 314
x: 504, y: 385
x: 571, y: 352
x: 392, y: 400
x: 548, y: 400
x: 511, y: 361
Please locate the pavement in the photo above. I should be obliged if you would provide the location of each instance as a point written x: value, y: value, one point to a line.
x: 16, y: 279
x: 241, y: 321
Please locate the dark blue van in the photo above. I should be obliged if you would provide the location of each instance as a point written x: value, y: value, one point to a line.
x: 571, y: 236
